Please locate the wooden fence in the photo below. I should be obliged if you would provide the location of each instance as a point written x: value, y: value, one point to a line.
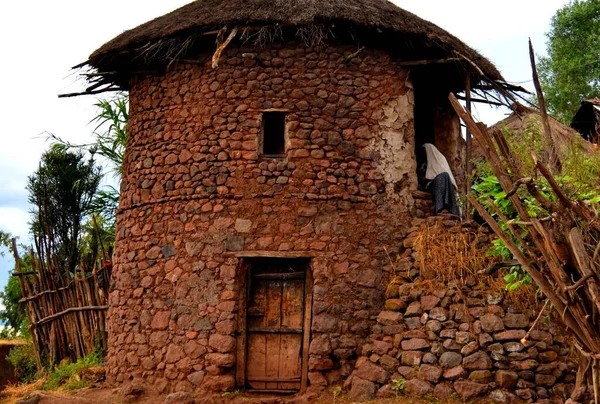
x: 67, y: 313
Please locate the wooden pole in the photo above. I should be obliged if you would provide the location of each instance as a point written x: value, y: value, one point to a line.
x: 469, y: 148
x: 104, y: 257
x: 22, y: 281
x: 550, y: 149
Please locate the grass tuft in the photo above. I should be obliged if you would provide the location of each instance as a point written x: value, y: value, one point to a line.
x: 72, y: 376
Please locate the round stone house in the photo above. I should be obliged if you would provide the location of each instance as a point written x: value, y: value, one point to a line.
x: 268, y: 184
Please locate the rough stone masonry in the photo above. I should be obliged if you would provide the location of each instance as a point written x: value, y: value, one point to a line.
x: 464, y: 340
x: 195, y: 186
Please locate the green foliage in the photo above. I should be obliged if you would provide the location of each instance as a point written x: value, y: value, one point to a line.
x: 22, y: 358
x: 398, y: 385
x: 231, y: 394
x: 13, y: 314
x: 579, y: 179
x: 110, y: 141
x: 67, y: 375
x: 571, y: 72
x: 5, y: 242
x: 336, y: 392
x: 96, y: 241
x: 61, y: 191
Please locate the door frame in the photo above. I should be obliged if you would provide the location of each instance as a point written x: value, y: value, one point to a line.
x: 244, y: 265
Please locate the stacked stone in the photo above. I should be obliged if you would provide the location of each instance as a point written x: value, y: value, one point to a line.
x: 463, y: 341
x: 423, y: 204
x: 194, y: 131
x: 195, y: 187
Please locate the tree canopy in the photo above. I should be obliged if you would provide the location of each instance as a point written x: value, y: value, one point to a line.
x: 571, y: 71
x: 61, y: 191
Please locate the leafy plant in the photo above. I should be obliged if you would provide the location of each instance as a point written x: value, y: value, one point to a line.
x: 60, y: 191
x: 68, y: 376
x: 110, y: 141
x: 231, y: 394
x: 337, y: 390
x: 23, y: 359
x: 399, y: 385
x: 13, y: 315
x: 579, y: 179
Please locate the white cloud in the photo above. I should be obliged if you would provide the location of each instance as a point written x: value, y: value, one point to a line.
x: 14, y: 220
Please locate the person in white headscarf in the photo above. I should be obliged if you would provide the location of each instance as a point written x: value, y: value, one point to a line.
x: 442, y: 183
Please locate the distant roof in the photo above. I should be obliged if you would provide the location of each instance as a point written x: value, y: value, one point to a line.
x: 154, y: 38
x: 563, y: 136
x: 587, y: 120
x: 593, y: 101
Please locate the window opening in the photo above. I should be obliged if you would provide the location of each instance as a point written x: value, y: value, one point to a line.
x: 273, y: 136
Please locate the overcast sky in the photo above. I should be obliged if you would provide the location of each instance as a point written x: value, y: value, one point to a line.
x: 40, y: 40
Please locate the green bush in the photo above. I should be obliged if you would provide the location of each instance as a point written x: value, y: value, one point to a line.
x: 579, y: 180
x: 23, y: 360
x: 67, y: 375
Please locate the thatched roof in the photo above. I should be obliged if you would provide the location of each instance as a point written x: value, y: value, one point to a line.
x: 587, y: 120
x: 521, y: 120
x: 400, y: 29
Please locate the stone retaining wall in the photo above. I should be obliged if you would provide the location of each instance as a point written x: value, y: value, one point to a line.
x: 463, y: 340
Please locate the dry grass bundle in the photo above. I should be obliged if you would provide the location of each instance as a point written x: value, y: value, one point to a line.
x: 456, y: 256
x: 451, y: 254
x: 15, y: 392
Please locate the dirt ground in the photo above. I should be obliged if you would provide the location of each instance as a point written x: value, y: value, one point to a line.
x: 108, y: 395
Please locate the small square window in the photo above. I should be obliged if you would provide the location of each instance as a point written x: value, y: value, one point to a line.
x: 273, y: 133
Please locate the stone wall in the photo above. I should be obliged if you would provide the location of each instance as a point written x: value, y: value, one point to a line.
x: 194, y: 187
x: 464, y: 340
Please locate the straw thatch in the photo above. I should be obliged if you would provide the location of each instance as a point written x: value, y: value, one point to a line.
x: 385, y: 24
x: 563, y: 136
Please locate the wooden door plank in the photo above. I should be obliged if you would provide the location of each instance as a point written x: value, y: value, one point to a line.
x: 308, y: 290
x: 282, y: 330
x: 240, y: 374
x: 292, y: 304
x: 273, y: 320
x: 292, y: 316
x: 290, y: 361
x: 257, y: 360
x: 272, y: 358
x: 257, y: 343
x: 276, y: 379
x: 257, y: 308
x: 273, y: 306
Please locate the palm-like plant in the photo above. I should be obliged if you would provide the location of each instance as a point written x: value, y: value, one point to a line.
x: 110, y: 140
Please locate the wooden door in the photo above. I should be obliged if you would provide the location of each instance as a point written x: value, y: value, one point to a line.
x: 275, y: 321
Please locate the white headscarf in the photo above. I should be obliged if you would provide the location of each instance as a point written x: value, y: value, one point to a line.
x: 437, y: 164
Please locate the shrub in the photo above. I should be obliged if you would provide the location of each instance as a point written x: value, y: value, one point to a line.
x: 68, y: 376
x: 23, y: 360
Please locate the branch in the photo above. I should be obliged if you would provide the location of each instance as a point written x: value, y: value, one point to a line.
x: 71, y: 310
x: 221, y: 47
x: 104, y: 90
x: 550, y: 147
x: 536, y: 275
x: 517, y: 184
x: 493, y: 268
